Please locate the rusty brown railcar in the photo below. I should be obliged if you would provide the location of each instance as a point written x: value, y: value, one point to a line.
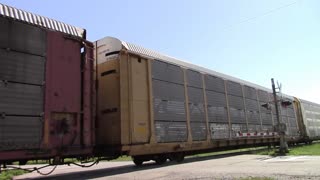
x: 46, y: 88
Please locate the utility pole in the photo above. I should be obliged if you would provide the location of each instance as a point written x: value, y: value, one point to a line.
x: 281, y: 127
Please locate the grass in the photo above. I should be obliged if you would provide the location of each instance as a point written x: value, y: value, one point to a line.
x: 8, y: 174
x: 310, y: 150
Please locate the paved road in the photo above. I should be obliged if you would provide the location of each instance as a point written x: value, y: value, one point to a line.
x: 213, y: 167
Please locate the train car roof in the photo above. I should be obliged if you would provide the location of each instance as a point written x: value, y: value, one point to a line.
x: 309, y: 102
x: 113, y: 44
x: 30, y: 18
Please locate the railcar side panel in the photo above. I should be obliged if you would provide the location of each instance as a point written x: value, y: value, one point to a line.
x: 311, y: 118
x: 139, y: 100
x: 183, y: 107
x: 22, y: 74
x: 196, y: 103
x: 108, y: 129
x: 46, y: 92
x: 63, y: 91
x: 169, y: 102
x: 217, y: 108
x: 267, y: 120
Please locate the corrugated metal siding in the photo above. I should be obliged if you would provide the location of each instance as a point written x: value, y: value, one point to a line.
x: 291, y: 112
x: 254, y: 127
x: 198, y: 131
x: 252, y: 108
x: 156, y: 55
x: 21, y: 99
x: 167, y: 72
x: 171, y: 131
x: 22, y: 71
x: 292, y: 128
x: 22, y: 37
x: 263, y: 96
x: 267, y: 128
x: 253, y: 117
x: 194, y: 79
x: 266, y: 118
x: 168, y: 91
x: 169, y: 102
x: 4, y: 38
x: 217, y: 105
x: 214, y: 84
x: 236, y: 102
x: 217, y: 114
x: 18, y: 132
x: 234, y: 88
x: 283, y: 111
x: 196, y: 105
x: 196, y: 112
x: 216, y: 99
x: 266, y: 114
x: 41, y: 21
x: 169, y: 110
x: 26, y: 38
x: 237, y: 116
x: 238, y: 128
x: 219, y: 130
x: 195, y: 95
x: 135, y: 49
x: 251, y: 105
x: 250, y: 92
x: 21, y: 67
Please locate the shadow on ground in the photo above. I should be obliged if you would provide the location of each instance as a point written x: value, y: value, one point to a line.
x: 105, y: 172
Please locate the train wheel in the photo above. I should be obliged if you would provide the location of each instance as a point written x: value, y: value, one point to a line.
x: 161, y: 159
x: 137, y: 161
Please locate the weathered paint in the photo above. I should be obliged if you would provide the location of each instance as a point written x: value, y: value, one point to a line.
x: 63, y: 90
x: 67, y: 87
x: 125, y: 88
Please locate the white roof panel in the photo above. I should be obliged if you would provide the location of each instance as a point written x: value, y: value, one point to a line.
x: 41, y: 21
x: 156, y: 55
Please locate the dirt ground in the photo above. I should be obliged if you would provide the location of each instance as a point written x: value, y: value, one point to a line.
x: 212, y: 167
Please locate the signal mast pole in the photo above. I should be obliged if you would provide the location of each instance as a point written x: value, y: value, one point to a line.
x: 281, y: 127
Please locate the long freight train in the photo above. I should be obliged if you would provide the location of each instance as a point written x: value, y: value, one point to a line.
x: 63, y: 96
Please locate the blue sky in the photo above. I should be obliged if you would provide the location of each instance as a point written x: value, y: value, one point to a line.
x: 250, y: 39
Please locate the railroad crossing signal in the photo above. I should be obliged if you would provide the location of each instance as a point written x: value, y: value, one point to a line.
x: 280, y: 127
x: 286, y: 103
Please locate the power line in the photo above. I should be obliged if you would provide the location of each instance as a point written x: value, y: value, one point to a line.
x: 262, y: 15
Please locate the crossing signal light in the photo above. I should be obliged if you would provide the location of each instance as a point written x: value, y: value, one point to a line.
x: 286, y: 103
x: 266, y: 105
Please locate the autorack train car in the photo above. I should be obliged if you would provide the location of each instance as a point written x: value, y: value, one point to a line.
x: 309, y: 115
x: 153, y: 107
x: 62, y: 96
x: 46, y: 88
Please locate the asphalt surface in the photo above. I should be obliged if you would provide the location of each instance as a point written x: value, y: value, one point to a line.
x: 211, y: 167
